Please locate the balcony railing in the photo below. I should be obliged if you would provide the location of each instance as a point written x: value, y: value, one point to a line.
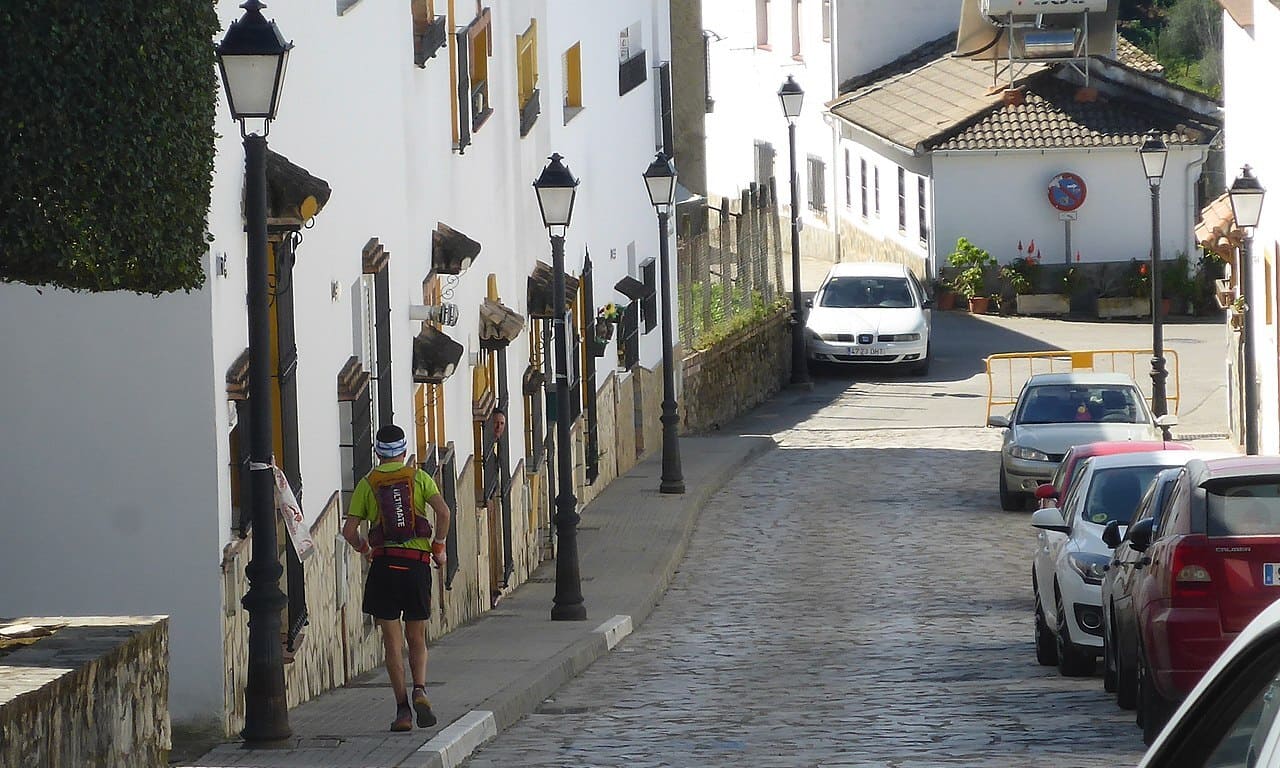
x: 529, y: 112
x: 432, y: 39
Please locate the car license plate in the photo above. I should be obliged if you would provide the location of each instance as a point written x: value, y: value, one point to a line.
x: 867, y: 351
x: 1271, y: 574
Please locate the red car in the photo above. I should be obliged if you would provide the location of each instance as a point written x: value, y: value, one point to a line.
x: 1050, y: 492
x: 1212, y: 564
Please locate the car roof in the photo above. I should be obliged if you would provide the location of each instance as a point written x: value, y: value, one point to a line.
x: 867, y: 269
x: 1143, y: 459
x: 1109, y: 447
x: 1234, y: 466
x: 1080, y: 377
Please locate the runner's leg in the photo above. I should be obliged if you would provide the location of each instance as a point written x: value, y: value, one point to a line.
x: 393, y: 647
x: 416, y: 633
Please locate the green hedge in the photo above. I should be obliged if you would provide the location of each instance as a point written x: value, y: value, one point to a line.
x: 106, y: 142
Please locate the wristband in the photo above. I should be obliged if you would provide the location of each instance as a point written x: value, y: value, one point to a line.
x: 437, y: 547
x: 364, y: 547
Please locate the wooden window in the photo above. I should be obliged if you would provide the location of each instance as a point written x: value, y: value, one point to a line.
x: 762, y: 23
x: 877, y: 189
x: 572, y: 64
x: 665, y: 123
x: 355, y: 426
x: 795, y: 29
x: 527, y: 76
x: 376, y: 331
x: 474, y: 44
x: 817, y: 184
x: 632, y: 69
x: 826, y: 21
x: 848, y: 180
x: 629, y: 336
x: 430, y: 32
x: 534, y: 430
x: 922, y: 210
x: 866, y: 211
x: 902, y: 200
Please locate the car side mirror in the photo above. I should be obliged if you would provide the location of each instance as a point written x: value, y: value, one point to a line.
x: 998, y: 421
x: 1049, y: 519
x: 1046, y: 491
x: 808, y: 303
x: 1167, y: 420
x: 926, y: 304
x: 1111, y: 534
x: 1140, y: 534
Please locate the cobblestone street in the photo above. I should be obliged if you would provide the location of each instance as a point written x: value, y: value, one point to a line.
x: 851, y: 599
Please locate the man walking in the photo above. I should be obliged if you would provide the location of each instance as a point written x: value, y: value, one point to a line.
x: 393, y: 499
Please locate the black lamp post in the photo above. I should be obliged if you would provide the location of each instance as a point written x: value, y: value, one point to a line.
x: 660, y: 179
x: 556, y: 188
x: 252, y: 58
x: 1155, y: 154
x: 792, y: 97
x: 1246, y: 209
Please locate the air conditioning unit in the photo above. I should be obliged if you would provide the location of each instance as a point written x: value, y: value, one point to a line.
x: 1037, y: 7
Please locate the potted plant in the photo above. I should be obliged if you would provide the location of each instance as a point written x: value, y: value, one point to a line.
x: 606, y: 317
x: 972, y: 263
x: 1135, y: 294
x: 944, y: 298
x: 1177, y: 288
x: 1023, y: 277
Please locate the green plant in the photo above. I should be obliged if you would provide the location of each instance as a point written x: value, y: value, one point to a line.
x: 108, y: 144
x: 1176, y: 281
x: 1073, y: 281
x: 1138, y: 279
x: 1022, y: 274
x: 972, y: 263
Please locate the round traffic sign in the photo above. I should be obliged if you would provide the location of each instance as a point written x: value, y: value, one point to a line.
x: 1067, y: 192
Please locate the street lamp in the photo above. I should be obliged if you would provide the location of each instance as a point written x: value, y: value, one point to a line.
x: 556, y: 188
x: 660, y: 178
x: 792, y: 97
x: 252, y: 58
x: 1155, y: 154
x: 1246, y: 209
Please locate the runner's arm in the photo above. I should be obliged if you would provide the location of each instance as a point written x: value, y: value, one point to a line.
x: 443, y: 516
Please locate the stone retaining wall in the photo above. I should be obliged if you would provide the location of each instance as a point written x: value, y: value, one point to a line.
x: 736, y: 375
x: 95, y: 693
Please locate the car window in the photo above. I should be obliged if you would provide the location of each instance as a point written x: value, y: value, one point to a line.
x: 1246, y: 718
x: 1175, y: 508
x: 1061, y: 403
x: 1059, y: 475
x: 867, y: 293
x: 1143, y: 510
x: 1243, y: 508
x: 1070, y: 504
x: 1114, y: 493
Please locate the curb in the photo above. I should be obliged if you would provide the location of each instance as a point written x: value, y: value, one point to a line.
x: 458, y: 741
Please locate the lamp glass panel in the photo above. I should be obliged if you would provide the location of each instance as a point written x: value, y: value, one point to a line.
x: 662, y: 189
x: 557, y: 205
x: 1153, y: 162
x: 1246, y: 207
x: 791, y: 103
x: 251, y: 84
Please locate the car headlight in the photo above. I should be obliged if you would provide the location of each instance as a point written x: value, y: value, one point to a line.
x: 1030, y: 454
x: 899, y: 337
x: 1092, y: 568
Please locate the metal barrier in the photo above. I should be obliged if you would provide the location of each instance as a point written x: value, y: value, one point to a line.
x: 1014, y: 368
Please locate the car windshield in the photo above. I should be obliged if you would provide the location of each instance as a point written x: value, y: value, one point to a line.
x: 866, y: 293
x: 1115, y: 493
x: 1062, y: 403
x: 1248, y: 508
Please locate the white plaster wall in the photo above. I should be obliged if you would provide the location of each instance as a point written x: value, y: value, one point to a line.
x: 107, y: 468
x: 744, y: 82
x: 1249, y: 66
x: 874, y: 32
x: 999, y: 199
x: 884, y: 225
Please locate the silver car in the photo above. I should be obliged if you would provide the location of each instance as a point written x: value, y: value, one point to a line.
x: 1055, y: 411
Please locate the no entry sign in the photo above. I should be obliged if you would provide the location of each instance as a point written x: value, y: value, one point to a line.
x: 1067, y: 192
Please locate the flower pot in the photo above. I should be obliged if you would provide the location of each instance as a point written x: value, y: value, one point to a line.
x: 1124, y: 306
x: 1166, y: 306
x: 945, y: 300
x: 978, y: 304
x: 1043, y: 304
x: 603, y: 330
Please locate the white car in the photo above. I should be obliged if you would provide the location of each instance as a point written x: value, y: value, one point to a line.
x: 870, y: 312
x: 1229, y: 718
x: 1071, y: 558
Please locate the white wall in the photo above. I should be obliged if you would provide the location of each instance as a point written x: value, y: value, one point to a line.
x: 874, y: 32
x: 883, y: 225
x: 1249, y: 65
x: 109, y: 468
x: 999, y: 199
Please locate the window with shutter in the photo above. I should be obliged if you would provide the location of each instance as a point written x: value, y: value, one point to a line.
x: 527, y: 77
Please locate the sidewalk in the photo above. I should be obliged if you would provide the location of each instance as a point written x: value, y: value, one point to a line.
x: 487, y: 675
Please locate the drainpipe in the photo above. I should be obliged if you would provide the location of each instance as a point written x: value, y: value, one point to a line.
x: 1193, y: 213
x: 833, y: 123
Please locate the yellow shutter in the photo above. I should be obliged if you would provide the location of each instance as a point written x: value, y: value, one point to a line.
x: 573, y: 76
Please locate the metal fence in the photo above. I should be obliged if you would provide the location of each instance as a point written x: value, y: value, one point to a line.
x: 730, y: 257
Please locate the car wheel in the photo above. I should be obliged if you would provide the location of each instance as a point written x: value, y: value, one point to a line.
x: 1010, y: 501
x: 1108, y: 659
x: 1153, y: 709
x: 1126, y: 679
x: 1046, y: 646
x: 921, y: 368
x: 1073, y: 661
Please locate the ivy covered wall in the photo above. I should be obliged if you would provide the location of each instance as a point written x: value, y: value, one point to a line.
x: 106, y: 142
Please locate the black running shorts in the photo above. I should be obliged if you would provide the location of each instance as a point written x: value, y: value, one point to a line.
x: 398, y: 587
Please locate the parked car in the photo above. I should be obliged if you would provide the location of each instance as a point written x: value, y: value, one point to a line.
x: 1049, y: 493
x: 1055, y: 411
x: 1214, y: 565
x: 1229, y: 718
x: 1119, y: 619
x: 1071, y: 559
x: 870, y: 312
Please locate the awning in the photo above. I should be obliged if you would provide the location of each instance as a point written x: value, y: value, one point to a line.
x: 435, y: 356
x: 1216, y: 232
x: 633, y: 289
x: 451, y: 251
x: 499, y: 324
x: 540, y: 282
x: 293, y: 195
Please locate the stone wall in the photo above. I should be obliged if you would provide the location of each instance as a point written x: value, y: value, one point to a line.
x: 858, y: 245
x: 737, y: 374
x: 94, y: 693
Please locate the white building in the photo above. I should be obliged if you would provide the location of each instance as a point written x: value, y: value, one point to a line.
x: 752, y: 47
x: 939, y: 147
x: 1251, y: 51
x: 134, y: 404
